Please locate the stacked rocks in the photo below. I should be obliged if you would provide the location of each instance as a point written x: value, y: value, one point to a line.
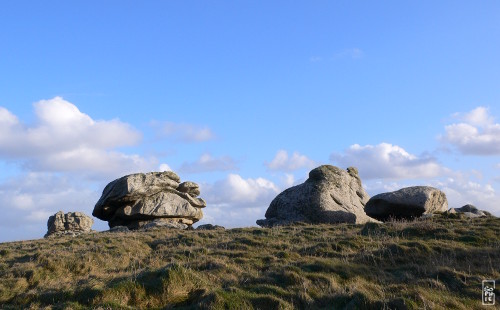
x: 146, y: 200
x: 71, y: 223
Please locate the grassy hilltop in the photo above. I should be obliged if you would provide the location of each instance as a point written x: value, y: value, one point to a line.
x: 436, y: 263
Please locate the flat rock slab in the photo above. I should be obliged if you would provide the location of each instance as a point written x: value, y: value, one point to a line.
x: 407, y: 203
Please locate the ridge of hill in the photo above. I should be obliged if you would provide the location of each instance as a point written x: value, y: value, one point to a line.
x: 436, y: 263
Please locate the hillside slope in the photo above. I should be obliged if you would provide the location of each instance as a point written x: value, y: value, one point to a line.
x: 436, y: 263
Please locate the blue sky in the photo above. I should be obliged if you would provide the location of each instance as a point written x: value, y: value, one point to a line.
x: 244, y: 98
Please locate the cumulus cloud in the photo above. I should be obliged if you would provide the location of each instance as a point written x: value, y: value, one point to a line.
x: 475, y: 134
x: 64, y: 139
x: 387, y: 161
x: 235, y: 201
x: 208, y: 163
x: 289, y: 180
x: 480, y: 116
x: 461, y: 191
x: 61, y: 126
x: 375, y: 187
x: 164, y: 167
x: 183, y: 132
x: 246, y: 192
x: 283, y: 162
x: 92, y: 163
x: 231, y: 216
x: 29, y: 199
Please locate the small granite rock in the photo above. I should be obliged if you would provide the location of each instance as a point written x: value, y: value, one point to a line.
x: 469, y: 211
x: 71, y: 223
x: 407, y: 203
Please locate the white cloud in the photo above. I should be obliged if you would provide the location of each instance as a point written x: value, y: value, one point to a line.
x: 244, y: 191
x: 64, y: 139
x: 461, y: 191
x: 183, y: 132
x: 61, y: 126
x: 208, y: 163
x: 164, y: 167
x: 7, y: 119
x: 93, y: 163
x: 288, y: 180
x: 387, y: 161
x: 480, y: 116
x: 27, y: 201
x: 283, y: 162
x: 232, y: 217
x: 237, y: 202
x: 375, y: 187
x: 476, y: 134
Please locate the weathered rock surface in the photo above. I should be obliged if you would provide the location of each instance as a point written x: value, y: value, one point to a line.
x: 329, y: 195
x: 469, y: 211
x: 136, y: 200
x: 167, y: 223
x: 189, y: 187
x: 71, y: 223
x: 407, y: 203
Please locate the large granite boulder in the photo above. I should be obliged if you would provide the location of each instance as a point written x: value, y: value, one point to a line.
x: 407, y: 203
x: 137, y: 200
x: 329, y: 195
x: 71, y: 223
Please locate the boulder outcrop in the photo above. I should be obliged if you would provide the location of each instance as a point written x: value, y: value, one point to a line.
x: 138, y: 200
x: 469, y: 211
x: 329, y: 195
x: 71, y: 223
x: 407, y: 203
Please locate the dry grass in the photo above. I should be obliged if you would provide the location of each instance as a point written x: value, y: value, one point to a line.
x: 436, y: 263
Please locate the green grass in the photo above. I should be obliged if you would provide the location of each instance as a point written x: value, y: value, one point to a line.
x: 437, y: 263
